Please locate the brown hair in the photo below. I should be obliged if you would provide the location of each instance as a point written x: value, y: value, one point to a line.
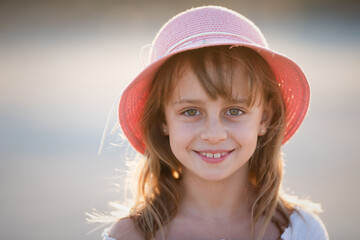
x: 158, y: 191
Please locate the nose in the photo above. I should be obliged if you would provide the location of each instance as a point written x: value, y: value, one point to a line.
x: 214, y: 131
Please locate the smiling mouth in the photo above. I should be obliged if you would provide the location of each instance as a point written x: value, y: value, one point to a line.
x: 213, y: 155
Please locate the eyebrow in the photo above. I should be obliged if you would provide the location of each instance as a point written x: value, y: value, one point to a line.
x: 239, y: 101
x: 198, y: 101
x: 193, y: 101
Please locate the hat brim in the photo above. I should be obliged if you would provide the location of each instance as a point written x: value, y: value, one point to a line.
x: 292, y: 82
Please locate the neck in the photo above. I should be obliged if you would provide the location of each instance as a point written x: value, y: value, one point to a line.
x: 227, y: 198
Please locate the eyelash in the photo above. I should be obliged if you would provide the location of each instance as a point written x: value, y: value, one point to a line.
x: 186, y: 112
x: 227, y: 112
x: 239, y: 112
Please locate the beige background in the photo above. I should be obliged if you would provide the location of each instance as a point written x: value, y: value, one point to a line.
x: 62, y: 64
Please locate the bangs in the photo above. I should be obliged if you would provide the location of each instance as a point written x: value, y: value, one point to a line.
x: 222, y: 71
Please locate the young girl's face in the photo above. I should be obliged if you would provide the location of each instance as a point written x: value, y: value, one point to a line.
x: 213, y: 138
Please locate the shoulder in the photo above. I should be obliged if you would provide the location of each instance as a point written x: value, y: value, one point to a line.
x: 123, y: 229
x: 305, y: 225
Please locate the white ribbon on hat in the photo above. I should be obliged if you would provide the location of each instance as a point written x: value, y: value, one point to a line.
x: 205, y: 34
x: 142, y: 53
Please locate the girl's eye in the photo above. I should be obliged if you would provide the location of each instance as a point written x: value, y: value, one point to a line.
x: 234, y: 112
x: 191, y: 112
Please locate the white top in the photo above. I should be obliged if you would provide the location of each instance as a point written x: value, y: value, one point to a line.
x: 304, y: 226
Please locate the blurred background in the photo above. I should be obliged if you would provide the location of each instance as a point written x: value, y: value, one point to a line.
x: 62, y: 64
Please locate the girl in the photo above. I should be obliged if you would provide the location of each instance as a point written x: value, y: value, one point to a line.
x: 209, y: 114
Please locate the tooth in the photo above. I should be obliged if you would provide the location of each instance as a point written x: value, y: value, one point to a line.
x: 217, y: 155
x: 223, y: 153
x: 203, y: 153
x: 209, y: 155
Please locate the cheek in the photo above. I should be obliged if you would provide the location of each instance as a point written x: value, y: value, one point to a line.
x: 245, y: 134
x: 179, y: 144
x: 183, y: 138
x: 181, y: 135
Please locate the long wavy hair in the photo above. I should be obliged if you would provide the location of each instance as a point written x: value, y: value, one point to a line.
x: 157, y: 196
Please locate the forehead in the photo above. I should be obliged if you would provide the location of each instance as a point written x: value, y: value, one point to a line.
x: 188, y: 85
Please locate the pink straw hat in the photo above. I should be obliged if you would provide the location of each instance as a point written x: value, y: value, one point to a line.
x: 204, y: 27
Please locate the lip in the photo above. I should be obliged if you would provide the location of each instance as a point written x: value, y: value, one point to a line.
x: 223, y: 155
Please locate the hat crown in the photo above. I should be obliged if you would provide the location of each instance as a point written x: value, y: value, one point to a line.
x: 205, y: 25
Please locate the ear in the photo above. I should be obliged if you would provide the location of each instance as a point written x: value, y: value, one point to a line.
x: 265, y: 119
x: 164, y: 129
